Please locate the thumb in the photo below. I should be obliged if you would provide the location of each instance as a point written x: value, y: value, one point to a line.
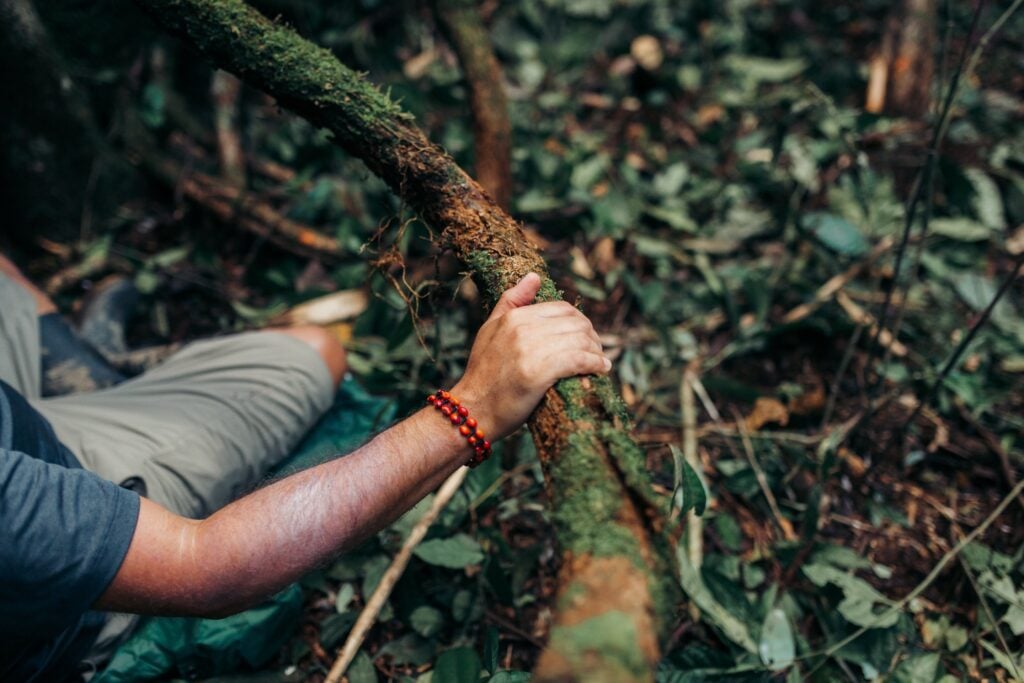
x: 522, y: 294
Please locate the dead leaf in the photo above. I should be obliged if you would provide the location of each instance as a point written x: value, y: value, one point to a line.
x: 418, y: 65
x: 811, y: 402
x: 325, y: 310
x: 603, y: 255
x: 646, y: 50
x: 578, y: 264
x: 767, y: 410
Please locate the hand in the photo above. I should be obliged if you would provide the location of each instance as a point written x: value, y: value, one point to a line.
x: 520, y: 352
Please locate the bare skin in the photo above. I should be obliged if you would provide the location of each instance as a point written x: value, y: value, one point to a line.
x: 260, y: 543
x: 44, y: 304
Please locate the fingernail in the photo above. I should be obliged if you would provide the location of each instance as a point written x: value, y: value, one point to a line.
x: 607, y: 365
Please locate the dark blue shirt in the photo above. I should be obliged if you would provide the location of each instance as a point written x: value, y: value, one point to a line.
x: 63, y: 535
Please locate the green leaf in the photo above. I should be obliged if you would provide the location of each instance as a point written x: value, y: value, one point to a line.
x: 1014, y: 617
x: 409, y: 649
x: 426, y: 620
x: 693, y: 585
x: 585, y: 174
x: 1002, y: 658
x: 763, y: 69
x: 153, y: 105
x: 862, y: 605
x: 361, y: 670
x: 455, y: 552
x: 836, y: 233
x: 777, y: 648
x: 694, y: 496
x: 458, y: 665
x: 677, y: 218
x: 345, y: 595
x: 491, y: 649
x: 689, y: 493
x: 919, y: 669
x: 510, y: 677
x: 335, y: 627
x: 987, y: 202
x: 669, y: 182
x: 961, y: 229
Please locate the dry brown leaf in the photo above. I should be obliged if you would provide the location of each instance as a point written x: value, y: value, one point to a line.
x: 326, y: 310
x: 646, y: 50
x: 767, y: 410
x: 603, y: 255
x: 810, y: 402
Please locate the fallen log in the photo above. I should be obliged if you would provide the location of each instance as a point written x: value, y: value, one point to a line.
x: 616, y: 587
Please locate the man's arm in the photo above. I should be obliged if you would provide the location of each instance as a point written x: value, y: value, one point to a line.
x: 260, y: 543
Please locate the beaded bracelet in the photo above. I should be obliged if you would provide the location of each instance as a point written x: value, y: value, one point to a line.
x: 459, y: 416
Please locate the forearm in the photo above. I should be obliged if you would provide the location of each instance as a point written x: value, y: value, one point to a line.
x: 266, y: 540
x: 260, y: 543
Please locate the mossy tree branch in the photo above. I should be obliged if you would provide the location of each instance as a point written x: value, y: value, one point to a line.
x: 615, y: 585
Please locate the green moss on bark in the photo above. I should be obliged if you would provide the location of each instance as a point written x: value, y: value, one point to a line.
x: 607, y: 637
x: 587, y: 503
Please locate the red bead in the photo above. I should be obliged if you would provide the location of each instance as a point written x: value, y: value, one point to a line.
x: 464, y: 430
x: 471, y: 423
x: 454, y: 417
x: 479, y: 434
x: 446, y: 410
x: 454, y: 401
x: 463, y: 411
x: 431, y: 400
x: 471, y: 440
x: 479, y: 450
x: 487, y: 445
x: 445, y: 394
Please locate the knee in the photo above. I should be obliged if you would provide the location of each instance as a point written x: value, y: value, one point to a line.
x: 325, y: 344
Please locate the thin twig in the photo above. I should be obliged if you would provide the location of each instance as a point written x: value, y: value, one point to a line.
x: 967, y: 339
x: 387, y: 582
x: 784, y: 524
x: 923, y: 181
x: 861, y: 317
x: 837, y: 282
x: 930, y: 578
x: 991, y: 617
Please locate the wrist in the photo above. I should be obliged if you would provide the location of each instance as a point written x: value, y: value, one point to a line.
x: 457, y: 412
x: 439, y: 429
x: 479, y: 407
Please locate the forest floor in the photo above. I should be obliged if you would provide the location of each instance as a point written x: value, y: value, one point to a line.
x: 695, y: 209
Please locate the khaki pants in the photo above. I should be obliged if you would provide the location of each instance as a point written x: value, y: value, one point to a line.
x: 192, y: 434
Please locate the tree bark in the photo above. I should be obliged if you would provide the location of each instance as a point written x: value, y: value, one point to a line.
x: 913, y: 65
x: 616, y: 586
x: 492, y: 131
x: 902, y: 71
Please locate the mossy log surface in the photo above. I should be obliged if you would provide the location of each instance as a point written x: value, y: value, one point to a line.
x: 616, y: 585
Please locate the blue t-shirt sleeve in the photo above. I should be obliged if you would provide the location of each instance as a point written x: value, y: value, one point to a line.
x: 64, y: 533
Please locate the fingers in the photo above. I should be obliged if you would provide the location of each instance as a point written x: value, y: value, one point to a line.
x: 522, y: 294
x: 573, y: 354
x: 580, y: 362
x: 553, y: 327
